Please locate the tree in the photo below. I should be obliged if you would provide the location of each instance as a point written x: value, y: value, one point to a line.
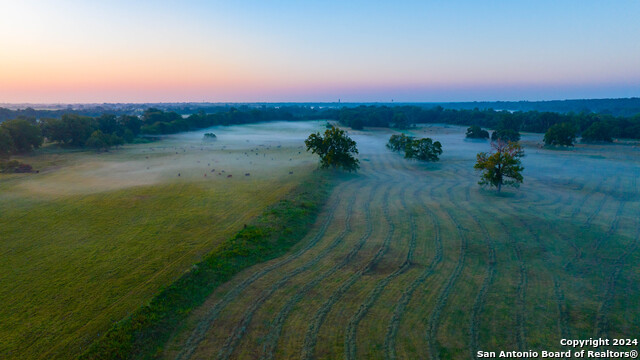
x: 71, y: 129
x: 399, y: 142
x: 563, y: 134
x: 357, y: 124
x: 400, y: 120
x: 115, y: 140
x: 476, y: 132
x: 99, y: 141
x: 503, y: 167
x: 505, y: 135
x: 107, y: 123
x: 335, y: 149
x: 6, y: 143
x: 24, y: 134
x: 423, y: 149
x: 598, y: 131
x: 128, y: 135
x: 133, y: 123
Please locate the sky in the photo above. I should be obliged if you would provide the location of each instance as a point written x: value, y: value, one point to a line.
x: 69, y: 51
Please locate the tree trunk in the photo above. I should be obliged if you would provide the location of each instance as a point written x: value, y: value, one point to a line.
x: 499, y: 186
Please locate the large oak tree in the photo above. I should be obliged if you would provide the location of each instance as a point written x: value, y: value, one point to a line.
x: 335, y: 149
x: 503, y: 166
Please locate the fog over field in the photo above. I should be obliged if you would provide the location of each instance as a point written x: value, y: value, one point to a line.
x: 93, y: 236
x: 410, y: 260
x: 237, y: 150
x: 406, y: 259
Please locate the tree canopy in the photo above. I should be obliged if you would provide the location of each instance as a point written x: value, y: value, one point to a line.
x: 336, y: 149
x: 476, y: 132
x: 420, y: 149
x: 6, y: 143
x: 597, y: 132
x: 71, y: 129
x: 25, y: 136
x: 503, y: 166
x: 423, y: 149
x: 401, y: 120
x: 505, y: 135
x: 399, y: 142
x: 563, y: 134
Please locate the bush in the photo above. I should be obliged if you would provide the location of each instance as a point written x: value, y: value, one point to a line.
x: 14, y: 166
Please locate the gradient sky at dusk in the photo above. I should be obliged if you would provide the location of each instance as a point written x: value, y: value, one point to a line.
x: 218, y: 51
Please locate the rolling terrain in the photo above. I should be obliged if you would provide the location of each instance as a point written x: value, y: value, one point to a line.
x: 411, y: 260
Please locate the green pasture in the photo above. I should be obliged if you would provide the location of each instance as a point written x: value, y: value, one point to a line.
x: 416, y: 261
x: 93, y: 236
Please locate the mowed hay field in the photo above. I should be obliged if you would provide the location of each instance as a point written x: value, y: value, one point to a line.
x: 416, y: 261
x: 93, y: 236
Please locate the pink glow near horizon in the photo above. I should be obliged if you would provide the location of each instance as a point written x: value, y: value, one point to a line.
x: 119, y: 52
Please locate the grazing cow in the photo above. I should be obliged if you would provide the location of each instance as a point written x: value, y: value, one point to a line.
x: 247, y: 174
x: 213, y: 170
x: 229, y: 175
x: 290, y: 172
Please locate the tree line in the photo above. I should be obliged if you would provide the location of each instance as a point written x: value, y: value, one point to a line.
x: 158, y: 122
x: 530, y: 121
x: 101, y: 132
x: 24, y: 134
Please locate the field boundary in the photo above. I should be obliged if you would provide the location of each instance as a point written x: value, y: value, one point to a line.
x: 143, y: 333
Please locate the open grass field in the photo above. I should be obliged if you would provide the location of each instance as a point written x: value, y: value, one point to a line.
x: 92, y: 237
x: 416, y: 261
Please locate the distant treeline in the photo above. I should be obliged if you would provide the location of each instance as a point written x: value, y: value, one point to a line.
x: 26, y: 133
x: 156, y: 122
x: 160, y: 122
x: 617, y: 107
x: 530, y: 121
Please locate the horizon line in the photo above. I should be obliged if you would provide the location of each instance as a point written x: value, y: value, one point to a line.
x: 313, y: 102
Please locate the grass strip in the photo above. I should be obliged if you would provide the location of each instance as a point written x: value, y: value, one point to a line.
x: 143, y: 334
